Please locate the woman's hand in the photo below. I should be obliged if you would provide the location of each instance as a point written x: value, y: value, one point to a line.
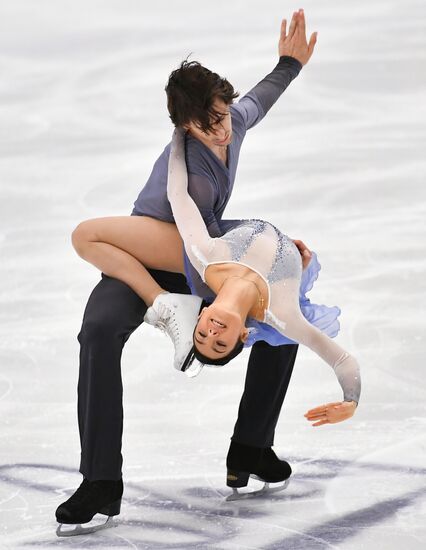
x: 294, y: 43
x: 331, y: 413
x: 304, y: 252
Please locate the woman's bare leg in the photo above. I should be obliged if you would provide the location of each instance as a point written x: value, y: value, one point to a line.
x: 124, y: 246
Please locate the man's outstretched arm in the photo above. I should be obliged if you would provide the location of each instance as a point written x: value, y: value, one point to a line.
x: 294, y: 52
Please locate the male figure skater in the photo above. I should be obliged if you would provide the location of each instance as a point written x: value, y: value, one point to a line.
x: 114, y: 310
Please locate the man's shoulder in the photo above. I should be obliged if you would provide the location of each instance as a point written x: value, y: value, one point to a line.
x: 237, y: 116
x: 248, y: 111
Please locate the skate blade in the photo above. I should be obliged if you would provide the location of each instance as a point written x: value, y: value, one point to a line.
x: 73, y: 529
x: 265, y: 490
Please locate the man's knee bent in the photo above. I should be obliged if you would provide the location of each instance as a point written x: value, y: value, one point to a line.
x: 98, y: 329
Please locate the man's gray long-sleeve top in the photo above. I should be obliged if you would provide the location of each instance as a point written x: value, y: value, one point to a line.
x: 210, y: 182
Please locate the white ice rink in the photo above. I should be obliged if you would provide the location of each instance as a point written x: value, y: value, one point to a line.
x: 83, y: 118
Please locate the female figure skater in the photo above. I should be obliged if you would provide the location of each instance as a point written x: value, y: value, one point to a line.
x: 255, y: 272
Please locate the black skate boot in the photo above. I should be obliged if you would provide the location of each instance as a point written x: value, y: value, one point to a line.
x: 92, y: 497
x: 244, y: 461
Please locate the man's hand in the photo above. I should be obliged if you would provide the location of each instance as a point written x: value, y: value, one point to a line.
x: 331, y: 413
x: 294, y: 43
x: 304, y: 252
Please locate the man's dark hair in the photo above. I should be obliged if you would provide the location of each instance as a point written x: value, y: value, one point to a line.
x: 191, y: 91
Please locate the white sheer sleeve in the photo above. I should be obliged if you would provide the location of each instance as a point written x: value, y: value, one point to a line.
x: 197, y: 241
x: 293, y: 325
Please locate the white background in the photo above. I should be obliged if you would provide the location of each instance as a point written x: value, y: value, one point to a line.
x: 339, y: 162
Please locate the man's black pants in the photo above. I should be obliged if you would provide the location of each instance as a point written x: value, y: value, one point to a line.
x: 112, y: 313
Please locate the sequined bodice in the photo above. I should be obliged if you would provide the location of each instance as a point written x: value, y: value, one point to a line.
x: 262, y: 247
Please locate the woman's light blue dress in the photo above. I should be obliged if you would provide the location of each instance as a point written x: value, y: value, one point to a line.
x: 323, y: 317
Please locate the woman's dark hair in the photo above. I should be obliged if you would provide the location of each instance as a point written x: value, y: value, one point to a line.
x: 191, y: 91
x: 220, y: 360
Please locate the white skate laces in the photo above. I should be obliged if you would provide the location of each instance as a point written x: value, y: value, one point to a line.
x: 176, y: 315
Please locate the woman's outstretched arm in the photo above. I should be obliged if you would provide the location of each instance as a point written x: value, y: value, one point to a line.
x: 186, y: 213
x: 345, y: 366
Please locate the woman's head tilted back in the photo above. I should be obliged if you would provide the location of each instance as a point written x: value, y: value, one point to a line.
x: 194, y: 94
x: 219, y: 335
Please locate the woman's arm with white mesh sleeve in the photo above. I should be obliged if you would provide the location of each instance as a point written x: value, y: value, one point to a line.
x: 292, y: 324
x: 186, y: 213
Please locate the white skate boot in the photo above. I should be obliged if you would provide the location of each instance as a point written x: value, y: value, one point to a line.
x: 176, y: 315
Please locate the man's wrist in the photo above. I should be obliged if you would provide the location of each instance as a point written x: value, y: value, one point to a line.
x: 291, y: 61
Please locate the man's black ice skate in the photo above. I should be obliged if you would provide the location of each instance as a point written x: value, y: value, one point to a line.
x: 244, y: 461
x: 92, y: 497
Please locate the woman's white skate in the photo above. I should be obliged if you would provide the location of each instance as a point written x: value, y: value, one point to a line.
x: 176, y: 315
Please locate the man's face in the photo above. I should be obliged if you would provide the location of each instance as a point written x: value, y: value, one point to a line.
x: 221, y: 136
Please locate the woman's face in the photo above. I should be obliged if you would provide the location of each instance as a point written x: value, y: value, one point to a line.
x: 218, y: 331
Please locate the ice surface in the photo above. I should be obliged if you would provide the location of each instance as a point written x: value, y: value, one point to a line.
x: 83, y: 118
